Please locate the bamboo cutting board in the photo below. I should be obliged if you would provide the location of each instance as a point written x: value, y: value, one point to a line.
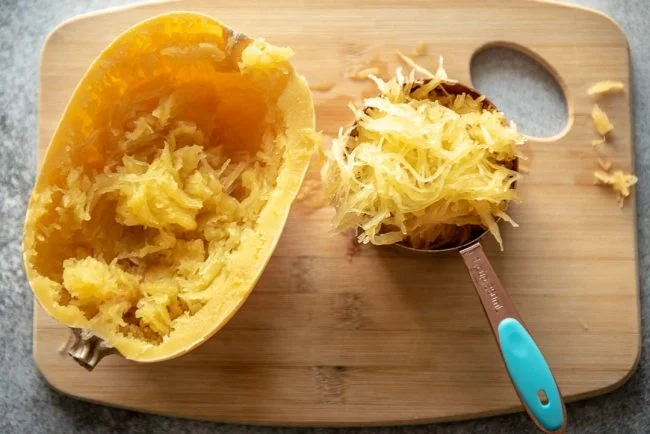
x: 329, y: 338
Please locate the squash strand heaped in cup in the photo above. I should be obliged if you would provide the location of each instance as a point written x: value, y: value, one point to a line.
x: 422, y: 166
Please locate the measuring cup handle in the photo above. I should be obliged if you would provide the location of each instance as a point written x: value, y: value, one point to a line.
x: 526, y: 366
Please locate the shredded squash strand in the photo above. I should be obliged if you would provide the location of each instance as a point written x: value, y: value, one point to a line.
x: 424, y: 171
x: 147, y: 239
x: 606, y: 86
x: 602, y: 124
x: 621, y: 182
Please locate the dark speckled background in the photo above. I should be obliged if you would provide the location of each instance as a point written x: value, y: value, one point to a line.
x: 28, y: 405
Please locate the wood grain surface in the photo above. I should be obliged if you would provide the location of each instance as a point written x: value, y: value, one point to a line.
x: 382, y: 337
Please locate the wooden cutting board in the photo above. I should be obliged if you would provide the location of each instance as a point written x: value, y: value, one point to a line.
x: 378, y: 337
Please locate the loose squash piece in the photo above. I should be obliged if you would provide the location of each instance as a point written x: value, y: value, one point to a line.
x: 605, y: 164
x: 420, y: 49
x: 598, y: 142
x: 364, y: 73
x: 606, y: 86
x: 322, y: 86
x: 621, y: 182
x: 167, y: 184
x: 602, y: 124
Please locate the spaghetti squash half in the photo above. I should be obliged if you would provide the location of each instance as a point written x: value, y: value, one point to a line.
x: 167, y: 184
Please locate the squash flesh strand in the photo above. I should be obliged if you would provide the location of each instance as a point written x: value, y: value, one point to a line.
x: 145, y: 222
x: 421, y: 170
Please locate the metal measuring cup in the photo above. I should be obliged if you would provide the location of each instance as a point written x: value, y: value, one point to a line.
x: 528, y: 370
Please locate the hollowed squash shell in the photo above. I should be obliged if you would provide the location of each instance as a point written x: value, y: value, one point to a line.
x: 167, y: 184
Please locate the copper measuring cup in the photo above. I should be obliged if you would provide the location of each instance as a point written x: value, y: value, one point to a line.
x: 529, y: 372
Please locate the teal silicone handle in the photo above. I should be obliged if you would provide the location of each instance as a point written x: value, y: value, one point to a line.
x: 531, y: 375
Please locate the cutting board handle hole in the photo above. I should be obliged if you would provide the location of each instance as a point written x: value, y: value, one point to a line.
x: 524, y: 87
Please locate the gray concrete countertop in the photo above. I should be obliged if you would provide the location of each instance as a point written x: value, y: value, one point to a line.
x: 28, y: 405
